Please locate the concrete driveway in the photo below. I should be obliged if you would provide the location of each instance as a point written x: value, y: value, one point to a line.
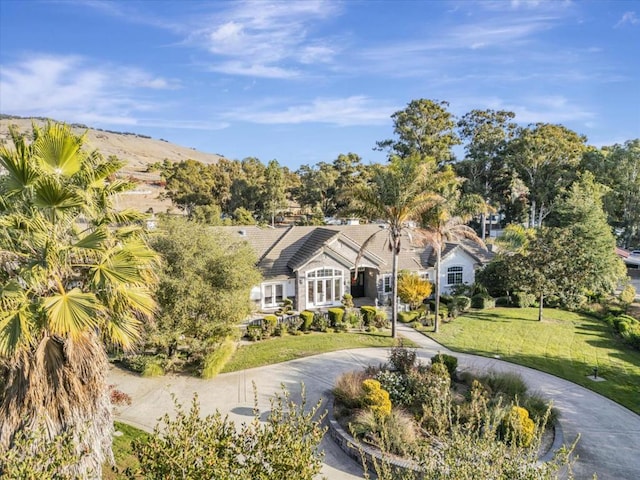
x: 610, y: 433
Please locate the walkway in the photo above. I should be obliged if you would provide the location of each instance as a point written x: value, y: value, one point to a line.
x: 610, y: 434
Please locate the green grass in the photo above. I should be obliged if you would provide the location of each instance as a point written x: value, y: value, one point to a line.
x: 122, y: 452
x: 565, y: 344
x: 290, y: 347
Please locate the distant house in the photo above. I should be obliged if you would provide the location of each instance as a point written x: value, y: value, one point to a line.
x: 315, y: 266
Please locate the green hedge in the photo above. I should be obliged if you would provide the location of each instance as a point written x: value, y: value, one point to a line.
x: 481, y: 301
x: 307, y: 320
x: 408, y: 317
x: 368, y: 315
x: 336, y: 315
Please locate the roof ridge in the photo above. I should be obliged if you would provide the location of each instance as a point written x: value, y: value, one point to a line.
x: 273, y: 245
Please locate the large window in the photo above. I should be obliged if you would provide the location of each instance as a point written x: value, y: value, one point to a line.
x: 454, y: 275
x: 272, y: 294
x: 324, y: 286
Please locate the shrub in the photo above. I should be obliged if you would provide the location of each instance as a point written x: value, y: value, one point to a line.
x: 511, y: 385
x: 517, y: 428
x: 269, y: 324
x: 348, y: 390
x: 408, y: 317
x: 540, y: 410
x: 449, y: 361
x: 461, y: 302
x: 320, y: 322
x: 503, y: 302
x: 402, y: 359
x: 347, y: 300
x: 280, y: 330
x: 523, y: 299
x: 307, y: 320
x: 400, y: 432
x: 368, y: 315
x: 380, y: 319
x: 628, y: 295
x: 215, y: 361
x: 118, y: 397
x: 153, y: 368
x: 481, y: 302
x: 254, y: 332
x: 353, y: 318
x: 376, y: 398
x: 341, y: 327
x: 335, y: 315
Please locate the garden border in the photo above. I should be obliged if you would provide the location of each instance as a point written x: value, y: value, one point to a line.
x: 355, y: 450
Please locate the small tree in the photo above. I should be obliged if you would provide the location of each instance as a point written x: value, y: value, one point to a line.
x: 628, y: 295
x: 412, y: 289
x: 285, y: 446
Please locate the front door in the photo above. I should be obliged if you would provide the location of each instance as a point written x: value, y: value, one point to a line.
x: 357, y: 285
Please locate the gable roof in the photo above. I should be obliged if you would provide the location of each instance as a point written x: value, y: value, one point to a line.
x: 283, y: 250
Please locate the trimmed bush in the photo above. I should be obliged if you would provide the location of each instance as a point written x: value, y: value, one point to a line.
x: 269, y: 324
x: 462, y: 302
x: 524, y: 300
x: 380, y: 319
x: 481, y: 302
x: 503, y: 302
x: 335, y: 316
x: 307, y: 320
x: 347, y: 300
x: 368, y: 315
x: 376, y: 398
x: 408, y: 317
x: 449, y: 361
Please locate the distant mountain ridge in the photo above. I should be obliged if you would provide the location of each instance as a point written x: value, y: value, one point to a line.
x: 138, y: 151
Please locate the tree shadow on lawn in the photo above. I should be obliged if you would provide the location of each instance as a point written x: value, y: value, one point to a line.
x: 490, y: 317
x: 626, y: 393
x: 602, y: 329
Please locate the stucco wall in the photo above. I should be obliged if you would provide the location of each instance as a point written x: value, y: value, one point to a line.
x: 457, y: 258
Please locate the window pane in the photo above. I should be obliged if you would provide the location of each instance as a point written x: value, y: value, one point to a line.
x: 268, y: 294
x: 320, y: 291
x: 311, y: 292
x: 337, y: 289
x: 279, y: 292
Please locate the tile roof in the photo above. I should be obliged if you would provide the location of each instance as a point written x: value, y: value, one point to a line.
x: 282, y: 250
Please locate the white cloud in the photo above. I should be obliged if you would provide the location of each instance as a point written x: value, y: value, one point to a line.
x: 267, y: 39
x: 69, y: 88
x: 534, y: 109
x: 350, y: 111
x: 628, y: 18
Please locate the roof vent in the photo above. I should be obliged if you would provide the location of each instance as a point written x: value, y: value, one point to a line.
x: 243, y: 233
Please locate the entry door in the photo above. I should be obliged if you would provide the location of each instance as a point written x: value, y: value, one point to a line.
x: 357, y: 285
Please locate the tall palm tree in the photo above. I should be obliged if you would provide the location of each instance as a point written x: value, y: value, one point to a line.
x: 446, y: 221
x: 396, y: 196
x: 74, y: 274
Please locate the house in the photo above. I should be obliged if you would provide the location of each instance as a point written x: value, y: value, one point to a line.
x: 315, y: 265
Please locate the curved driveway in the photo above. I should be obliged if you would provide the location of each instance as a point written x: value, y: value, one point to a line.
x: 610, y: 434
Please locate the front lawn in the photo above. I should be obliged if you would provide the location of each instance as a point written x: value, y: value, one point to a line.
x: 565, y: 344
x: 122, y: 452
x: 290, y: 347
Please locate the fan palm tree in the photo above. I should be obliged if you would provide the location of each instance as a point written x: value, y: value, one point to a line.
x: 446, y: 221
x: 74, y: 274
x: 395, y: 196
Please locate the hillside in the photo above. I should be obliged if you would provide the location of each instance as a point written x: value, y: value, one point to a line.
x: 138, y: 151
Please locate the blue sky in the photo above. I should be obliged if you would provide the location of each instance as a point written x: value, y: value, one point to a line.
x: 304, y: 81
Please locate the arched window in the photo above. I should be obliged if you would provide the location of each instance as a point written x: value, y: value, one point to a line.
x: 454, y: 275
x: 324, y: 286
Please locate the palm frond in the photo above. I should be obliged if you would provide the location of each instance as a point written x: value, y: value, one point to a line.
x: 58, y: 151
x: 71, y: 313
x: 49, y: 193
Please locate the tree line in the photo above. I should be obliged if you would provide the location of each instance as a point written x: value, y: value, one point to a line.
x: 520, y: 173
